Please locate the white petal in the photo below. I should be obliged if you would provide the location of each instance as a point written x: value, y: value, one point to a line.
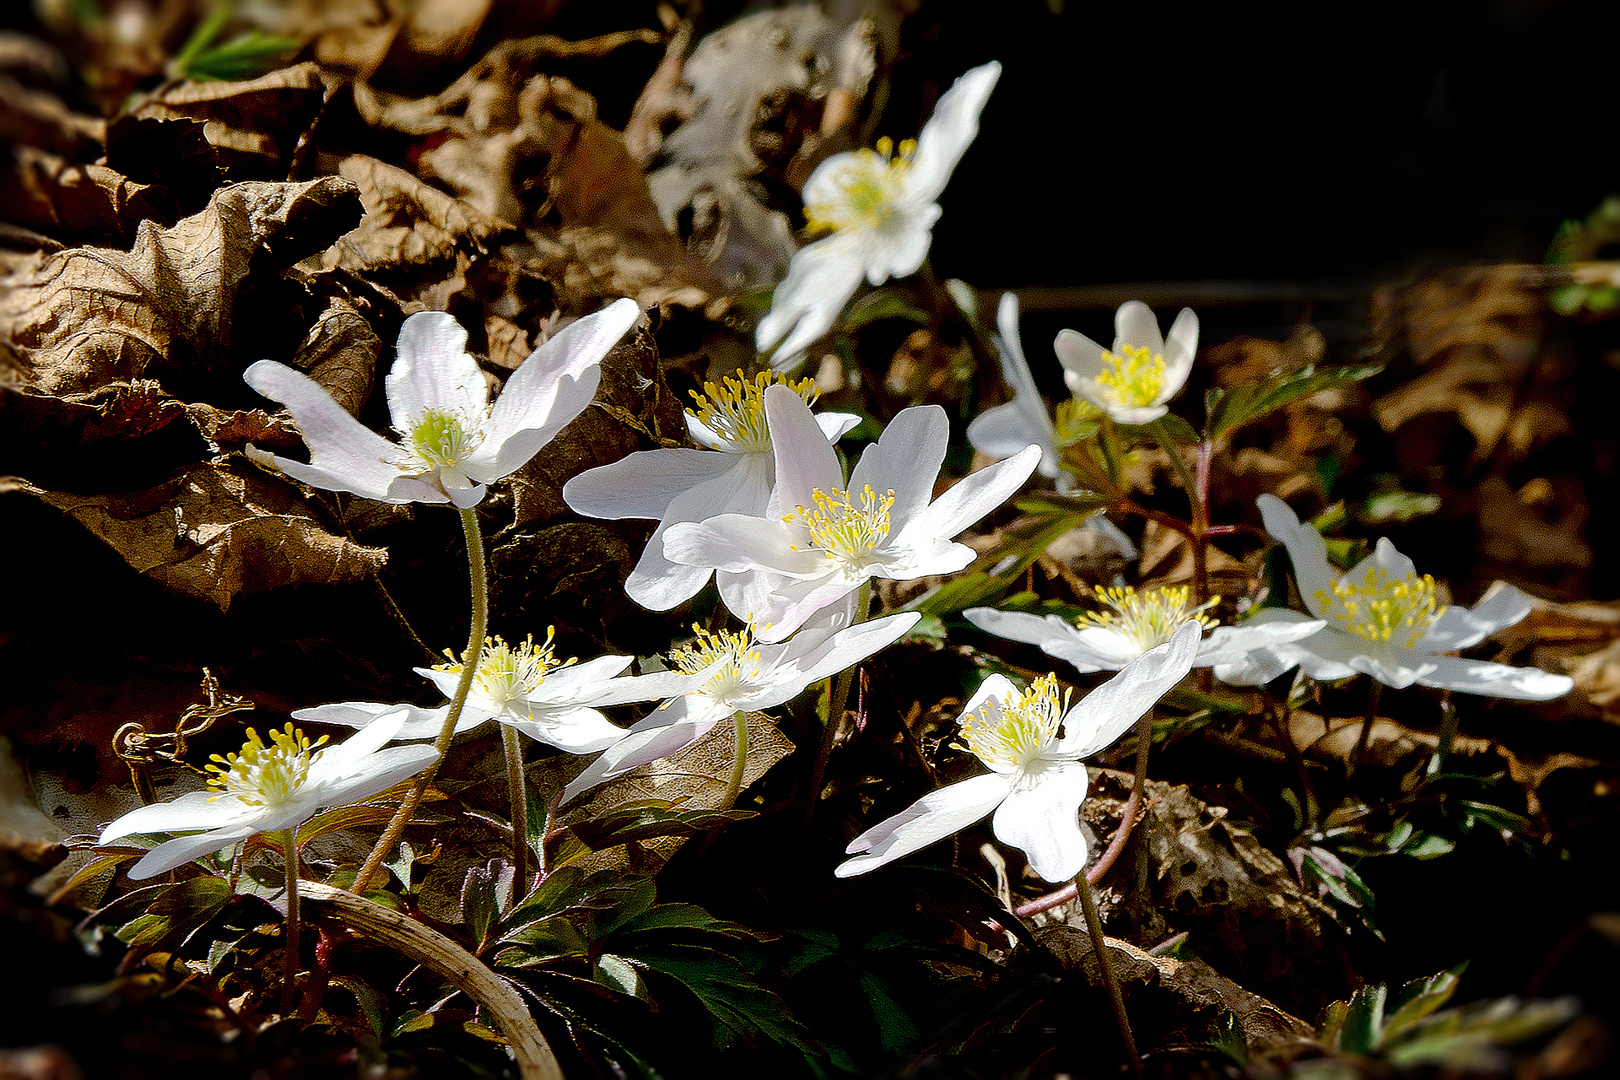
x: 667, y: 729
x: 1003, y: 430
x: 1135, y: 324
x: 657, y: 583
x: 345, y: 455
x: 379, y: 772
x: 418, y: 723
x: 183, y: 849
x: 971, y: 498
x: 195, y: 810
x: 949, y: 131
x: 550, y: 388
x: 642, y: 484
x: 1043, y: 822
x: 433, y: 371
x: 820, y: 280
x: 576, y: 730
x: 835, y: 425
x: 1306, y: 550
x: 1080, y: 356
x: 1109, y: 711
x: 805, y: 460
x: 1228, y: 644
x: 1459, y: 627
x: 931, y: 818
x: 1054, y: 636
x: 1497, y: 680
x: 902, y: 244
x: 828, y: 657
x: 906, y: 460
x: 1179, y: 350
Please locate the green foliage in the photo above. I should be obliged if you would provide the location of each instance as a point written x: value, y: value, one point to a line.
x: 1228, y: 410
x: 246, y: 56
x: 883, y: 304
x: 1585, y: 241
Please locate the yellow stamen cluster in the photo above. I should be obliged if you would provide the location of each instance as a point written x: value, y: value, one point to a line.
x: 1135, y: 377
x: 1150, y: 617
x: 735, y: 409
x: 734, y: 650
x: 869, y: 186
x: 1382, y: 608
x: 508, y: 674
x: 1017, y: 730
x: 440, y: 439
x: 842, y: 527
x: 263, y: 775
x: 1076, y: 421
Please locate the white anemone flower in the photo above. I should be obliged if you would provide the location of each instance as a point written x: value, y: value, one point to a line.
x: 452, y: 442
x: 720, y: 674
x: 880, y: 210
x: 1034, y: 749
x: 269, y: 789
x: 1135, y: 620
x: 824, y: 539
x: 523, y: 686
x: 732, y: 474
x: 1132, y: 381
x: 1385, y: 621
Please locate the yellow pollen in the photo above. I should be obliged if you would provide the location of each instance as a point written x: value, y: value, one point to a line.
x: 1076, y: 421
x: 842, y: 527
x: 1017, y: 730
x: 509, y: 674
x: 1134, y: 378
x: 734, y: 650
x: 735, y: 409
x: 868, y: 187
x: 1149, y: 617
x: 441, y: 439
x: 1382, y: 608
x: 261, y: 775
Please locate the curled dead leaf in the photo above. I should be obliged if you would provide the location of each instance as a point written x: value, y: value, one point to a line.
x: 89, y: 204
x: 255, y: 127
x: 215, y: 534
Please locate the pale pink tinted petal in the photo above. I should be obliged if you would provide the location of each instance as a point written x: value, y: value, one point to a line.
x: 554, y: 385
x: 660, y: 733
x: 906, y: 460
x: 1459, y: 627
x: 949, y: 132
x: 1043, y: 822
x: 345, y: 455
x: 1306, y: 550
x: 433, y: 371
x: 641, y: 485
x: 931, y: 818
x: 1109, y: 711
x: 805, y: 460
x: 1497, y: 680
x: 1134, y: 324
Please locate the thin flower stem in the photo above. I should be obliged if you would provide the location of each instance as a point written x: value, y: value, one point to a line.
x: 1279, y: 713
x: 835, y: 708
x: 542, y: 855
x: 1195, y: 502
x: 469, y: 667
x: 289, y: 945
x: 1127, y: 821
x: 1374, y: 691
x: 517, y: 794
x: 1449, y: 720
x: 1099, y: 948
x: 738, y: 766
x: 1109, y: 445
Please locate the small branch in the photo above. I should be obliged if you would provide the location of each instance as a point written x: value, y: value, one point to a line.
x: 465, y: 971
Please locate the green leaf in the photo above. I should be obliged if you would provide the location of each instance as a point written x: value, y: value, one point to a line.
x: 1245, y: 404
x: 617, y: 973
x: 245, y: 56
x: 373, y: 1005
x: 883, y: 304
x: 1420, y: 998
x: 481, y: 901
x: 743, y: 1010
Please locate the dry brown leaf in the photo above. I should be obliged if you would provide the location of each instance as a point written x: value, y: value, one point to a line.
x: 340, y: 353
x: 254, y: 127
x: 1491, y: 311
x: 87, y: 317
x: 407, y: 222
x: 117, y: 411
x: 39, y: 119
x: 89, y: 204
x: 215, y: 534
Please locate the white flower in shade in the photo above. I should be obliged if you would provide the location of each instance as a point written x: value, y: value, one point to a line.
x: 1132, y: 381
x: 825, y: 539
x: 1134, y: 621
x: 524, y: 687
x: 452, y: 443
x: 733, y: 474
x: 1003, y: 430
x: 880, y: 210
x: 720, y: 674
x: 1034, y: 749
x: 268, y: 788
x: 1384, y: 621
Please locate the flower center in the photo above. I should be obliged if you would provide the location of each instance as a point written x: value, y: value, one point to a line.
x: 1015, y: 731
x: 869, y: 184
x: 1075, y: 421
x: 1382, y: 608
x: 735, y: 410
x: 844, y: 528
x: 1135, y: 377
x: 263, y: 775
x: 735, y: 651
x: 1150, y: 617
x: 509, y: 675
x: 440, y: 439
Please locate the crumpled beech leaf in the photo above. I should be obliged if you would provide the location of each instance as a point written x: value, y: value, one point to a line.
x: 90, y: 316
x: 215, y: 534
x: 254, y: 127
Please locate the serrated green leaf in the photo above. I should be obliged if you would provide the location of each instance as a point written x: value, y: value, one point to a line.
x: 1245, y: 404
x: 481, y: 902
